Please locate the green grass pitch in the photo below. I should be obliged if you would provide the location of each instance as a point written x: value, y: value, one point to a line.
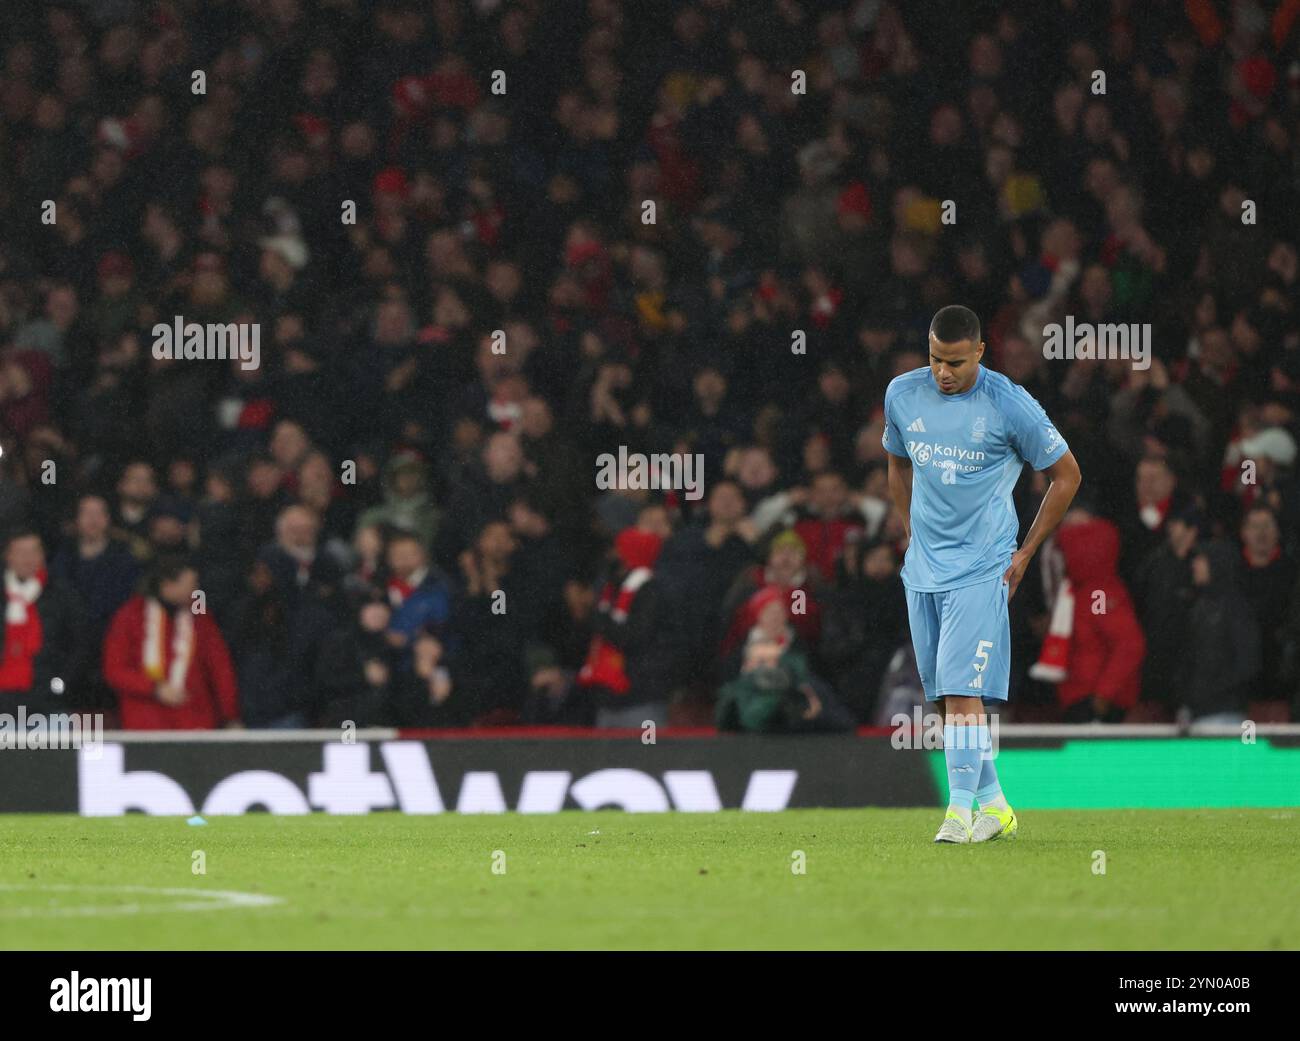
x: 1219, y: 879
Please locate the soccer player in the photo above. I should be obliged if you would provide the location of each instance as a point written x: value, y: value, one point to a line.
x: 958, y: 436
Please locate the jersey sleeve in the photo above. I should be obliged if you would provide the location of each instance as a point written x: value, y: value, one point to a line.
x: 892, y: 438
x: 1031, y: 433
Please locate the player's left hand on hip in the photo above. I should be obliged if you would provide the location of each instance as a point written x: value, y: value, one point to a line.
x: 1013, y: 574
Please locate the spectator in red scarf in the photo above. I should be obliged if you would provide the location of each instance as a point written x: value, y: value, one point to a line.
x: 1106, y: 643
x: 168, y: 665
x: 630, y: 665
x: 39, y: 646
x: 1154, y: 485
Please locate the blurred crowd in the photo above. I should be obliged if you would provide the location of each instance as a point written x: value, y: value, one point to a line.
x: 436, y: 214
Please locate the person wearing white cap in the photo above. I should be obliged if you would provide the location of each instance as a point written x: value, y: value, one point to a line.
x: 289, y: 248
x: 1272, y: 443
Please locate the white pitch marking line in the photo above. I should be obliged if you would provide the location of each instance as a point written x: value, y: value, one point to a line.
x: 210, y: 900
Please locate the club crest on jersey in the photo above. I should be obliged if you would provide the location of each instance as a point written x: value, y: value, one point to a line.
x: 978, y: 431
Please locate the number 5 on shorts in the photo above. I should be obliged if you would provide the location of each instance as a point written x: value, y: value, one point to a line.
x: 982, y: 653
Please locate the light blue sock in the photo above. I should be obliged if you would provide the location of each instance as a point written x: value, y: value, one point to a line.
x: 989, y: 793
x: 962, y: 753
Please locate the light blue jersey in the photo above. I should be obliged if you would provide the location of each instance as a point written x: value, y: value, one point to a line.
x: 967, y: 451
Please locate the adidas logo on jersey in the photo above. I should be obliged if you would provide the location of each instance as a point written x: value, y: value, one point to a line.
x: 916, y: 426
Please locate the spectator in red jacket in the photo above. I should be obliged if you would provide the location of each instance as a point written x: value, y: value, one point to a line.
x: 822, y: 515
x: 1106, y: 644
x: 168, y: 665
x: 832, y: 513
x: 634, y: 662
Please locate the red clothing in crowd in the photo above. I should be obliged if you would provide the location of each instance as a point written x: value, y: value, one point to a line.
x: 1107, y: 646
x: 606, y: 664
x: 824, y: 539
x: 209, y: 679
x: 806, y: 623
x: 23, y: 636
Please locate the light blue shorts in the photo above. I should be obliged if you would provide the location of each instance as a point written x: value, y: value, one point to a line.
x: 962, y: 640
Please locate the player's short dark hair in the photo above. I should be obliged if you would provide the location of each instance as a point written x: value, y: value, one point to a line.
x: 955, y: 323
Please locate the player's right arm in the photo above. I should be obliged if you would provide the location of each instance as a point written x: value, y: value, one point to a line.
x: 900, y: 463
x: 900, y: 488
